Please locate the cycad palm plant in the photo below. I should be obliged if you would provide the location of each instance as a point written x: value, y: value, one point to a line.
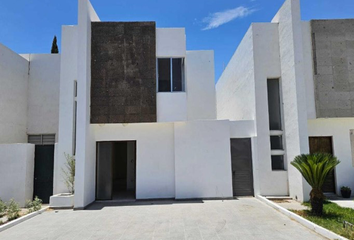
x: 315, y: 168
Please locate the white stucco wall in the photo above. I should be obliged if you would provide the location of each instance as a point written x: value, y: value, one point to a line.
x: 308, y: 69
x: 266, y: 66
x: 200, y: 85
x: 155, y: 168
x: 13, y: 96
x: 68, y: 74
x: 43, y: 94
x: 86, y: 146
x: 293, y: 91
x: 339, y: 130
x: 235, y: 90
x: 171, y: 106
x: 242, y: 129
x: 202, y: 159
x: 170, y: 42
x: 16, y: 172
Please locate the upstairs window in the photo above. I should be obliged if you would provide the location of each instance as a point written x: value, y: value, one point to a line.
x: 170, y: 74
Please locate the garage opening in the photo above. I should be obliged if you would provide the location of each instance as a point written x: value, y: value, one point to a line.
x: 116, y: 170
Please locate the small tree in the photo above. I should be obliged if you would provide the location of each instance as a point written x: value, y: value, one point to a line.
x: 55, y: 48
x: 69, y: 172
x: 315, y: 168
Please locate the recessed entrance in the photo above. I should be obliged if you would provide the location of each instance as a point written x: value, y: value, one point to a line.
x: 324, y: 145
x: 116, y: 170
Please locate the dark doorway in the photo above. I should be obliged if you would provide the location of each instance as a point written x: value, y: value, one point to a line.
x: 43, y: 172
x: 242, y: 175
x: 324, y: 144
x: 115, y: 172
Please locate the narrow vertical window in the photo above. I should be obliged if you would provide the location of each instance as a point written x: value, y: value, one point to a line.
x: 274, y: 105
x: 75, y: 117
x: 177, y: 74
x: 164, y: 74
x: 275, y: 124
x: 170, y: 74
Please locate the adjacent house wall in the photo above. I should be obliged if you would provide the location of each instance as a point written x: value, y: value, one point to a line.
x: 13, y: 96
x: 202, y: 159
x: 43, y: 94
x: 68, y: 74
x: 155, y: 168
x: 200, y: 85
x: 16, y: 179
x: 235, y: 90
x: 333, y: 57
x: 293, y: 91
x: 339, y: 130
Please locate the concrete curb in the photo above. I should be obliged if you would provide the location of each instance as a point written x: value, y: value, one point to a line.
x: 21, y: 219
x: 310, y: 225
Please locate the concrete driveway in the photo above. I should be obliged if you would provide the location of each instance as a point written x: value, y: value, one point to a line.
x: 246, y: 218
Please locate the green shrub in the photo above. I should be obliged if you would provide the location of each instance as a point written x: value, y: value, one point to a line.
x: 69, y: 173
x: 13, y: 210
x: 3, y: 208
x: 34, y: 205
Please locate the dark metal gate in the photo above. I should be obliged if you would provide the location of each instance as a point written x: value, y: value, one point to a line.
x: 43, y: 172
x: 242, y: 175
x: 43, y: 165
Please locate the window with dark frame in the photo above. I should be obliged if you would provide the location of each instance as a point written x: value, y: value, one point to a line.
x: 170, y: 74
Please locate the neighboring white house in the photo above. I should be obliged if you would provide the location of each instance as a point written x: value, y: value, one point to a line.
x: 294, y: 79
x: 144, y: 120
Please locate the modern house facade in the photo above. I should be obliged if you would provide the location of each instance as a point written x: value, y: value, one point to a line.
x: 146, y: 123
x: 144, y: 120
x: 293, y: 78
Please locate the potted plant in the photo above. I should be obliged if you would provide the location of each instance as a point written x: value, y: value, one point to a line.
x: 346, y: 192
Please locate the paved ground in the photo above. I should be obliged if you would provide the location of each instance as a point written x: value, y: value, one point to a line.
x: 343, y: 202
x: 246, y: 218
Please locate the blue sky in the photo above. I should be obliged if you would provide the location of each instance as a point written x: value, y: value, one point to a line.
x: 29, y: 26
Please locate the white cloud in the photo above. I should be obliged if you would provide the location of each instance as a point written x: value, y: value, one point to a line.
x: 217, y: 19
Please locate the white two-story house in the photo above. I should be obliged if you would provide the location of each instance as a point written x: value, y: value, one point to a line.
x: 144, y: 120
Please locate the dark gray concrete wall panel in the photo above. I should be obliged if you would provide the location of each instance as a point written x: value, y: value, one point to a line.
x: 123, y: 72
x: 333, y: 55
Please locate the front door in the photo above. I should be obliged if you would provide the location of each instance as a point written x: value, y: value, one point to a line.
x: 242, y: 175
x: 324, y: 145
x: 43, y: 172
